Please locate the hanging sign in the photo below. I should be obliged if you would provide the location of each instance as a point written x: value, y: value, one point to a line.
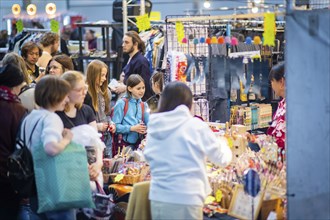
x: 179, y: 30
x: 54, y: 26
x: 19, y: 26
x: 269, y: 29
x: 143, y: 22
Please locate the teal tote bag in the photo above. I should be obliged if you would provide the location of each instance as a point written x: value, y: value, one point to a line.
x: 62, y: 181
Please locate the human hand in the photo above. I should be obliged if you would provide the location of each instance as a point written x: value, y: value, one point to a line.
x: 120, y: 89
x: 94, y: 169
x: 112, y: 128
x: 102, y: 126
x: 42, y: 73
x: 139, y: 128
x: 67, y: 134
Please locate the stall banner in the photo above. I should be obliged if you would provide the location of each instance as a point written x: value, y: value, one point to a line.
x: 269, y: 29
x: 143, y: 22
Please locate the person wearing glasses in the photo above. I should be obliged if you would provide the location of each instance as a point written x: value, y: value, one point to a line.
x: 59, y: 64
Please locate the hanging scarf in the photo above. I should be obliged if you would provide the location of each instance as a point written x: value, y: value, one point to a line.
x: 7, y: 95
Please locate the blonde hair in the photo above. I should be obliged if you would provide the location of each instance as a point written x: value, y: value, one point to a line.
x: 17, y: 60
x: 93, y: 78
x: 73, y: 77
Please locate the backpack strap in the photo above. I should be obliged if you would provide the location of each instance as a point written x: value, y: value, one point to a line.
x: 24, y: 129
x: 125, y: 106
x: 142, y: 108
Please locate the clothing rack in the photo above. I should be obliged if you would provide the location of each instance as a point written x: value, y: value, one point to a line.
x: 36, y: 30
x: 221, y: 17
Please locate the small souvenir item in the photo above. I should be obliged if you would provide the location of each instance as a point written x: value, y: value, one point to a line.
x: 208, y: 40
x: 221, y: 40
x: 195, y: 41
x: 227, y: 40
x: 214, y: 40
x: 202, y: 40
x: 184, y: 40
x: 256, y: 40
x: 234, y: 41
x: 248, y: 40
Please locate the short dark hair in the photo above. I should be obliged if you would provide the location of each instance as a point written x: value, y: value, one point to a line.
x: 136, y: 39
x: 50, y: 91
x: 175, y: 94
x: 277, y: 72
x: 28, y: 46
x: 132, y: 81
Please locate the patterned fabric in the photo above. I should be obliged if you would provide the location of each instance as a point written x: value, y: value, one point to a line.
x: 278, y: 126
x: 6, y: 94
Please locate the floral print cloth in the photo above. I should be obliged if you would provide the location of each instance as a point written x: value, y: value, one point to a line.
x: 278, y: 126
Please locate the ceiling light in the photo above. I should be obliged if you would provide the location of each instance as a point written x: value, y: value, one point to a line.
x: 207, y: 4
x: 31, y: 9
x: 50, y: 8
x: 16, y: 9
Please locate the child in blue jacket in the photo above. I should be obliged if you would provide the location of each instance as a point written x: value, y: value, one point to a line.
x: 131, y: 115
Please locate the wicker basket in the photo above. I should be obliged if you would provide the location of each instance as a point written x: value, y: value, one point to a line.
x: 128, y: 179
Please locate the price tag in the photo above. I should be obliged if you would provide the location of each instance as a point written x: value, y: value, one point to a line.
x: 230, y: 142
x: 218, y: 195
x: 143, y: 22
x: 209, y: 199
x: 19, y: 26
x: 269, y: 29
x: 179, y: 30
x: 54, y: 26
x: 119, y: 177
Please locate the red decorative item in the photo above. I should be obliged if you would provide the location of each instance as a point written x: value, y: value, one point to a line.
x: 221, y: 40
x: 208, y: 40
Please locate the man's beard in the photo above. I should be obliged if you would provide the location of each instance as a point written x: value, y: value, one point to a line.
x: 130, y: 50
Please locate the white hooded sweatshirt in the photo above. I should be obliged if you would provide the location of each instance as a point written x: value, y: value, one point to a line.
x: 177, y: 147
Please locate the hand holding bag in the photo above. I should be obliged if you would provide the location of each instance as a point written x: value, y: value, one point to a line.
x: 62, y: 181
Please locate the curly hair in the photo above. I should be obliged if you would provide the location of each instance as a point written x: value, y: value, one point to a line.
x: 49, y: 38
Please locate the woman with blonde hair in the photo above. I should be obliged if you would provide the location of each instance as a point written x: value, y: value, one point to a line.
x: 99, y: 97
x: 26, y: 94
x: 17, y: 60
x: 77, y: 113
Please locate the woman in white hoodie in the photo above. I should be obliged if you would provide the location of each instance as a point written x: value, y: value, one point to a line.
x: 177, y: 148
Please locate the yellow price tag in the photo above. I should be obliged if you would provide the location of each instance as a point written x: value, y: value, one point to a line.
x: 269, y: 29
x: 218, y: 195
x: 230, y: 142
x: 19, y: 25
x: 209, y: 200
x: 179, y: 30
x: 119, y: 177
x: 54, y: 26
x: 143, y: 22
